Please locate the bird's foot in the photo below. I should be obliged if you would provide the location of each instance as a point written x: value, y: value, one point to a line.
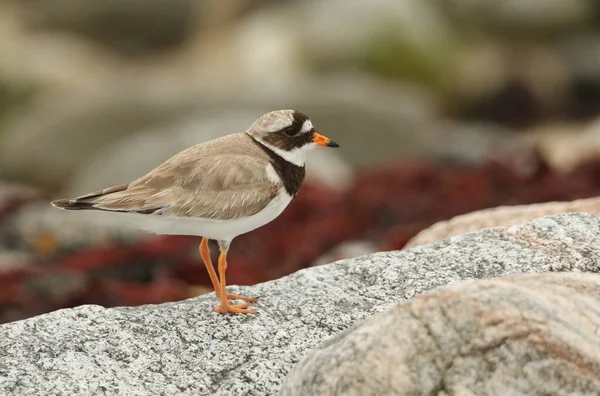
x: 234, y: 308
x: 238, y: 297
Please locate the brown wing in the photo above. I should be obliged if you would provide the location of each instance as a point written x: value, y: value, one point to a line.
x: 221, y: 179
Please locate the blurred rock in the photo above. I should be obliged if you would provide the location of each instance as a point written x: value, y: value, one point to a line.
x: 509, y: 83
x: 581, y: 55
x: 539, y: 330
x: 563, y: 145
x: 56, y: 286
x: 14, y: 97
x: 46, y: 61
x: 468, y: 142
x: 502, y: 216
x: 11, y: 260
x: 579, y: 52
x: 255, y: 353
x: 514, y: 104
x: 136, y: 27
x: 566, y: 145
x: 13, y: 195
x: 346, y: 250
x: 405, y: 40
x: 483, y: 66
x: 14, y: 198
x: 523, y: 17
x: 330, y: 169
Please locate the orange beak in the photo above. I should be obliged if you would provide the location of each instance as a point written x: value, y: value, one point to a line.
x: 321, y: 140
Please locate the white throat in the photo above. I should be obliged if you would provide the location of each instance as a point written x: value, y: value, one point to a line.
x: 296, y: 156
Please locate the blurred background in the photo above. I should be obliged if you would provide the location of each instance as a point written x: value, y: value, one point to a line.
x: 441, y: 107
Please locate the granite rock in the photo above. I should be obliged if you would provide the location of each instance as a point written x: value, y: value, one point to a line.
x: 533, y: 334
x: 184, y: 348
x: 501, y: 216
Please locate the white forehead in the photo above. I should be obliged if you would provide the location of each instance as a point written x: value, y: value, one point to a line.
x: 306, y: 127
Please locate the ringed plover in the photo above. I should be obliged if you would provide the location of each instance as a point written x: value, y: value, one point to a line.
x: 218, y: 189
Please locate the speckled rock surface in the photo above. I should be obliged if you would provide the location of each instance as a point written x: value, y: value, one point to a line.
x: 184, y: 348
x: 533, y: 334
x: 500, y: 217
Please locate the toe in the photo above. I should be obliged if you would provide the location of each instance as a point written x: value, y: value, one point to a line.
x: 238, y: 297
x: 238, y: 308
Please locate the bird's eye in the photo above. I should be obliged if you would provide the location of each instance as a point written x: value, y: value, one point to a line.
x: 290, y: 131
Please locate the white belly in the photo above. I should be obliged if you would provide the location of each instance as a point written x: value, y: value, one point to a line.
x: 224, y: 230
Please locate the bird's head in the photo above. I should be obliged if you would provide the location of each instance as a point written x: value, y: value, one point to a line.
x: 289, y: 133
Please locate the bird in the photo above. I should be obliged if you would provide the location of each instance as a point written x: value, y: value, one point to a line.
x: 218, y: 190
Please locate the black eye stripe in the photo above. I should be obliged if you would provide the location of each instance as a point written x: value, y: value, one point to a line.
x: 288, y: 142
x: 297, y: 123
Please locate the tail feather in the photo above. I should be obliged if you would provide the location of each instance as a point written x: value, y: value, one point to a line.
x: 72, y: 204
x: 87, y: 201
x: 112, y: 199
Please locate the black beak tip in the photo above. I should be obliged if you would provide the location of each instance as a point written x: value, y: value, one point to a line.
x: 332, y: 144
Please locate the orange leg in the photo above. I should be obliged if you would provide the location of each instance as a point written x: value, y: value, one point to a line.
x: 225, y: 306
x: 205, y: 254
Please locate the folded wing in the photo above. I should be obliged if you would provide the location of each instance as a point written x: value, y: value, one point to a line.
x: 206, y: 181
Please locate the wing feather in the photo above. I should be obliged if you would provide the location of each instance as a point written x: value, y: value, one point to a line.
x: 221, y: 179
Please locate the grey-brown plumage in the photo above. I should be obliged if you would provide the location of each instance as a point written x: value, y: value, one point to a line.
x: 221, y: 179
